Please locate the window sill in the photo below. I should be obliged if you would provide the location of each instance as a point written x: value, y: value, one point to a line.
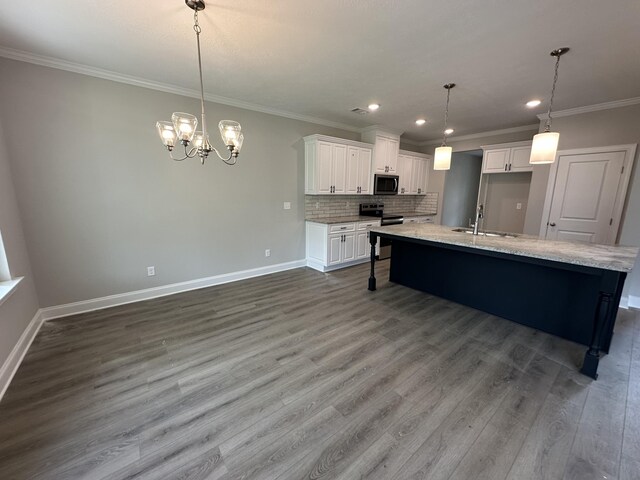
x: 8, y: 287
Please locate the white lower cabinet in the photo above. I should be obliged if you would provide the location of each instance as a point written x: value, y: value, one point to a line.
x: 331, y: 246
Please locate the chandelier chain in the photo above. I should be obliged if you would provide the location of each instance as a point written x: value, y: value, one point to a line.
x: 197, y: 29
x: 547, y: 127
x: 446, y: 118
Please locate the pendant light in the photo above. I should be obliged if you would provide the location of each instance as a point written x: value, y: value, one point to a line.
x: 442, y: 157
x: 182, y: 127
x: 545, y: 144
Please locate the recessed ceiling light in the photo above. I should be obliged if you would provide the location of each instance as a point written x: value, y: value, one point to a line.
x: 533, y: 103
x: 421, y: 121
x: 373, y: 107
x: 448, y: 131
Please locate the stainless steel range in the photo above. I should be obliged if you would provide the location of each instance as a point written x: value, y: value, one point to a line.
x: 377, y: 210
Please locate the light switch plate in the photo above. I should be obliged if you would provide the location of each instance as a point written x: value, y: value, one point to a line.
x: 287, y: 205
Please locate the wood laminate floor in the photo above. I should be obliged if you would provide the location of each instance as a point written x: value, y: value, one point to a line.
x: 304, y: 375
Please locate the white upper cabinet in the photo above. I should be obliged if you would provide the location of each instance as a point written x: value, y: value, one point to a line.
x: 358, y: 170
x: 336, y: 166
x: 413, y: 169
x: 508, y: 157
x: 405, y: 164
x: 386, y: 146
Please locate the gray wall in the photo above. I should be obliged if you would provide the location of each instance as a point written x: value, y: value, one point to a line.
x: 595, y: 129
x: 19, y: 308
x: 436, y: 180
x: 503, y: 193
x: 461, y: 189
x: 101, y: 201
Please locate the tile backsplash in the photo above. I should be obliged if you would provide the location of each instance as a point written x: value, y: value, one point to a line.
x: 316, y: 206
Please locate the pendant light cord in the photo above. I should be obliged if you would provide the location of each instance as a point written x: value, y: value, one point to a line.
x: 547, y: 127
x: 446, y: 119
x: 197, y: 29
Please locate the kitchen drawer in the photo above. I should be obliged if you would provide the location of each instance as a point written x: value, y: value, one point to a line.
x: 418, y: 220
x: 368, y: 225
x: 342, y: 228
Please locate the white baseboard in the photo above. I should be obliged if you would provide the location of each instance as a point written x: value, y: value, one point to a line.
x: 316, y: 265
x: 58, y: 311
x: 10, y: 366
x: 624, y: 303
x: 634, y: 301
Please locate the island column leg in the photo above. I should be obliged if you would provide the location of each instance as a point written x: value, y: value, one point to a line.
x: 592, y: 357
x: 373, y: 239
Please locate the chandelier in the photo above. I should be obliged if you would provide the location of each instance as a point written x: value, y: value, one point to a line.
x: 182, y: 127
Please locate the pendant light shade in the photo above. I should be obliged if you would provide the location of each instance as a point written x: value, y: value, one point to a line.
x: 545, y: 144
x: 442, y: 158
x: 544, y: 147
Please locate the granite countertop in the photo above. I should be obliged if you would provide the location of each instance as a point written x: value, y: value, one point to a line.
x: 361, y: 218
x: 414, y: 214
x: 607, y: 257
x: 348, y: 219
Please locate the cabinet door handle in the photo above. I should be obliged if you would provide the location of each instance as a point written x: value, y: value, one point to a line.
x: 509, y: 167
x: 505, y: 167
x: 552, y: 224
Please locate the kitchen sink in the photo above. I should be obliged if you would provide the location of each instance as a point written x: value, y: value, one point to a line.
x: 485, y: 234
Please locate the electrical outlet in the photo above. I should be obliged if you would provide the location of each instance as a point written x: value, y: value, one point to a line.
x: 267, y: 253
x: 317, y: 204
x: 151, y: 271
x: 518, y: 206
x: 287, y: 205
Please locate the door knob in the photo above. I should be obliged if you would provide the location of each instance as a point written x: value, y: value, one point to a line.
x: 552, y: 224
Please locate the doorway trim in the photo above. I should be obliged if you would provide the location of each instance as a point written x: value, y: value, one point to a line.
x: 629, y: 157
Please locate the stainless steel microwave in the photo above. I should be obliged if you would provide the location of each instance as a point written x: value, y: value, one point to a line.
x: 385, y: 184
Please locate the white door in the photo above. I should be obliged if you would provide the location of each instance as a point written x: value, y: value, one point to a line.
x: 362, y: 245
x: 584, y: 197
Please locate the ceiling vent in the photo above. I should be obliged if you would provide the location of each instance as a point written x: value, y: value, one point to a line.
x: 359, y: 111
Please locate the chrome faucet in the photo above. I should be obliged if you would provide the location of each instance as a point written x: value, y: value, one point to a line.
x: 479, y: 215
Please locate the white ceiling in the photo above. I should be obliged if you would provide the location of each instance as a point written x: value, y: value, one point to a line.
x: 323, y: 58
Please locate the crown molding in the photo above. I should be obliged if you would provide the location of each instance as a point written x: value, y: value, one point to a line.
x: 381, y: 128
x: 491, y: 133
x: 408, y: 141
x: 592, y: 108
x: 59, y: 64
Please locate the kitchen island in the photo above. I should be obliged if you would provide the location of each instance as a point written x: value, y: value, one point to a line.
x: 567, y: 289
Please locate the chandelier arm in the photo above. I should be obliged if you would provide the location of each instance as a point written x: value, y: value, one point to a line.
x: 225, y: 160
x: 187, y: 154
